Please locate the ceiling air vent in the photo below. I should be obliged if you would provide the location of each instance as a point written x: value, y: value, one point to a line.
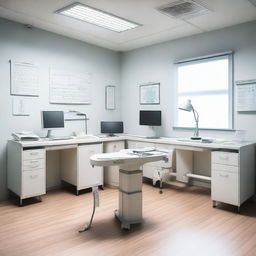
x: 183, y: 9
x: 253, y: 2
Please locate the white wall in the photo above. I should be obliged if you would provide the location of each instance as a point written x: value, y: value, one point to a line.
x: 155, y: 64
x: 149, y: 64
x: 51, y: 50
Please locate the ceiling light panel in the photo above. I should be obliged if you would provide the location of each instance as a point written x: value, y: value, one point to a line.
x: 97, y: 17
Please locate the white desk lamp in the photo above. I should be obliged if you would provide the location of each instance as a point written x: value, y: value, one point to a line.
x: 187, y: 106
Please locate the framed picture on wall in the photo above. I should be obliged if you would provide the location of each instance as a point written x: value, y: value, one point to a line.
x: 150, y: 93
x: 110, y: 97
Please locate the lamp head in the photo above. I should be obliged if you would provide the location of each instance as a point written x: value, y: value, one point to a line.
x: 186, y: 105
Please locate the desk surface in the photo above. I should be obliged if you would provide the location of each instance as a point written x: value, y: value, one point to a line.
x: 164, y: 140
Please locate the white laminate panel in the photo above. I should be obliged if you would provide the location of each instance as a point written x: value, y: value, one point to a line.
x: 88, y: 176
x: 33, y: 164
x: 33, y: 154
x: 224, y: 168
x: 228, y: 158
x: 148, y: 171
x: 33, y: 183
x: 225, y: 187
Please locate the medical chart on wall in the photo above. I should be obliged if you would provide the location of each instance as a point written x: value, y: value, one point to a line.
x: 20, y: 106
x: 246, y: 95
x: 24, y: 79
x: 70, y: 87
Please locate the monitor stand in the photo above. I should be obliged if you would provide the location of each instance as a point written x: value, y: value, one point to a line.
x: 153, y: 137
x: 49, y: 134
x: 153, y: 133
x: 111, y: 135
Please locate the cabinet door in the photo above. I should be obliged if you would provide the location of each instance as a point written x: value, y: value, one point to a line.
x: 33, y: 183
x: 225, y: 187
x: 88, y: 175
x: 111, y: 173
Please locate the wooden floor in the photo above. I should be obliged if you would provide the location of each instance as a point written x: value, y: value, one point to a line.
x: 178, y: 222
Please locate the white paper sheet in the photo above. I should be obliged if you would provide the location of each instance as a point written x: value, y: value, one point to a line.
x: 24, y: 79
x: 69, y: 87
x: 20, y: 107
x: 246, y: 96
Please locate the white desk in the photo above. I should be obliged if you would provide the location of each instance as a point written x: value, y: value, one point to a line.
x: 232, y: 167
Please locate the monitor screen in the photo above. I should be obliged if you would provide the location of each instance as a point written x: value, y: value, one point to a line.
x: 53, y: 119
x: 150, y: 117
x: 111, y: 127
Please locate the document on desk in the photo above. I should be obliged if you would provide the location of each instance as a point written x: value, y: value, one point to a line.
x: 70, y: 87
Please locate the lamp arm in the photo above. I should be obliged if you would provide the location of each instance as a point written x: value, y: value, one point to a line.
x: 196, y: 116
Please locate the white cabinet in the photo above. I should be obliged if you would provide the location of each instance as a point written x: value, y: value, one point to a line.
x: 76, y: 168
x: 232, y: 176
x: 26, y: 175
x: 33, y: 173
x: 111, y: 173
x: 225, y: 177
x: 87, y: 175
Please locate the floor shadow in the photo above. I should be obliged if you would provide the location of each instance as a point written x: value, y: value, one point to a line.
x: 109, y: 229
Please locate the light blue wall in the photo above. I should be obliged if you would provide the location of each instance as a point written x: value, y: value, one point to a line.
x: 126, y: 71
x: 51, y: 50
x: 155, y: 64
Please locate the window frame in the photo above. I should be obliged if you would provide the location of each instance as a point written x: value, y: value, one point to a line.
x: 230, y: 57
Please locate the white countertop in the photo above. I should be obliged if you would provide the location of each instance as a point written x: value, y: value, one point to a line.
x: 163, y: 140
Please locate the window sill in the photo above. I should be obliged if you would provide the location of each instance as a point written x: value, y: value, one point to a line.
x: 203, y: 129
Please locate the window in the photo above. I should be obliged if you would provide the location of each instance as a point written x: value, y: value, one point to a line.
x: 207, y: 82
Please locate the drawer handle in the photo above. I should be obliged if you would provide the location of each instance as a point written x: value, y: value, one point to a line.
x: 33, y: 176
x: 34, y: 166
x: 224, y: 175
x: 34, y: 161
x: 34, y: 153
x: 225, y: 157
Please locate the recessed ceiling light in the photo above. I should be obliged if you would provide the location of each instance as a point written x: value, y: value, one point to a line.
x: 97, y: 17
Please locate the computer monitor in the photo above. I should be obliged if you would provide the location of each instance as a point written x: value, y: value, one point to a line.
x: 52, y: 120
x: 150, y: 117
x: 110, y: 128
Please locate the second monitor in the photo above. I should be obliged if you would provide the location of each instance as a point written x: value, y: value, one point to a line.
x: 150, y: 117
x: 110, y: 128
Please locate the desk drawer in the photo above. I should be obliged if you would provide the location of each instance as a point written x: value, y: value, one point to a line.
x: 224, y: 168
x: 33, y: 164
x: 225, y: 187
x: 33, y: 183
x: 33, y: 154
x: 227, y: 158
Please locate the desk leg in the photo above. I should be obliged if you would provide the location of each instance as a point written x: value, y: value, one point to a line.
x: 184, y: 162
